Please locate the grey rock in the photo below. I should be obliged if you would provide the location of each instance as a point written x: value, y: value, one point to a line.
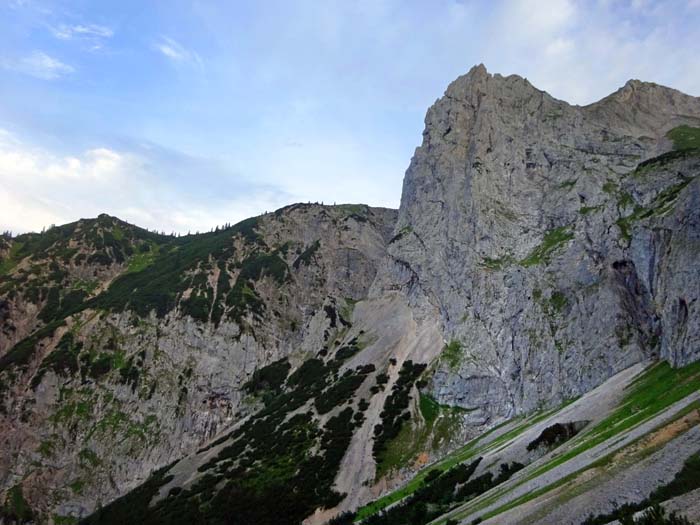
x: 511, y: 226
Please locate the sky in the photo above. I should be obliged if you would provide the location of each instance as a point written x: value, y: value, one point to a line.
x: 182, y: 115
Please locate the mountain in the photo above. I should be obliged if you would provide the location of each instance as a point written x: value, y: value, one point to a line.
x: 519, y: 343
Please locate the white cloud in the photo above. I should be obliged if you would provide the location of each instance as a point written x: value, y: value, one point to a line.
x: 38, y: 188
x: 40, y: 65
x: 67, y: 32
x: 582, y: 55
x: 536, y: 21
x: 92, y: 34
x: 559, y: 47
x: 176, y: 52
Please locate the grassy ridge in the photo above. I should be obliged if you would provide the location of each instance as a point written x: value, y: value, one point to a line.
x: 471, y: 450
x: 656, y: 389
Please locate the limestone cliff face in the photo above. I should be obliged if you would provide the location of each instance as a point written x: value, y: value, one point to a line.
x: 555, y: 257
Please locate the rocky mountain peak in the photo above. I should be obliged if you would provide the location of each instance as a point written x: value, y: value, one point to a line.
x: 478, y: 83
x: 514, y: 196
x: 301, y: 363
x: 646, y: 109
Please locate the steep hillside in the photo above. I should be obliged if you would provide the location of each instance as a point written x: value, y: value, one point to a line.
x: 518, y: 344
x: 124, y: 350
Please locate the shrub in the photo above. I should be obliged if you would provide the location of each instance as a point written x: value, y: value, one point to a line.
x: 554, y: 435
x: 63, y: 360
x: 307, y: 255
x: 395, y: 407
x: 270, y: 377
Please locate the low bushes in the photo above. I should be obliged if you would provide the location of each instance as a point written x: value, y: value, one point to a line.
x: 395, y: 407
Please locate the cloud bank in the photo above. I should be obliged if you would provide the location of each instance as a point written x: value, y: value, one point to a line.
x: 38, y: 189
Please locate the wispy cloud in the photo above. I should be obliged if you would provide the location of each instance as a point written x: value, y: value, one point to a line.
x: 93, y: 34
x: 67, y: 32
x: 39, y: 65
x: 176, y: 52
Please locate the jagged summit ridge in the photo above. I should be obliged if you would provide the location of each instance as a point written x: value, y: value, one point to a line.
x: 665, y: 100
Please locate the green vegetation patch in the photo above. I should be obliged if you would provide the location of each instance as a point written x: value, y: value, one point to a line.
x: 132, y: 507
x: 452, y: 354
x: 74, y: 407
x: 144, y: 258
x: 268, y: 378
x: 16, y: 509
x: 440, y: 424
x: 307, y: 255
x: 342, y: 390
x: 656, y: 389
x: 12, y: 258
x: 395, y: 411
x: 88, y: 458
x: 610, y: 188
x: 429, y: 408
x: 64, y: 520
x: 22, y: 352
x: 354, y: 210
x: 568, y: 184
x: 602, y: 462
x: 587, y: 210
x: 558, y: 302
x: 553, y: 240
x: 662, y: 204
x: 198, y: 304
x: 497, y: 263
x: 654, y: 163
x: 442, y: 491
x: 77, y: 486
x: 243, y: 298
x: 406, y: 230
x: 63, y: 360
x: 684, y: 137
x: 86, y: 285
x: 477, y: 446
x: 157, y: 286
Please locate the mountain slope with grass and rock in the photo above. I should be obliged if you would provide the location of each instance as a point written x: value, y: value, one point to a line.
x: 518, y: 343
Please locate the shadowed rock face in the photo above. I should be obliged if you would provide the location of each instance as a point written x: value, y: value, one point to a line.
x: 518, y: 223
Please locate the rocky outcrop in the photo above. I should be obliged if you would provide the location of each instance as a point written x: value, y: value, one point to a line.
x: 553, y: 259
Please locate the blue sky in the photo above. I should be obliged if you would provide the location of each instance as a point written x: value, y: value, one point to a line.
x: 181, y: 115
